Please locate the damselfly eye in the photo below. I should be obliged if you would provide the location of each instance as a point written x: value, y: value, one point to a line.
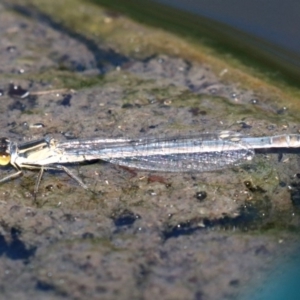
x: 4, y: 159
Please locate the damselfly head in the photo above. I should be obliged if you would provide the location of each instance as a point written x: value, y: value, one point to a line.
x: 4, y: 151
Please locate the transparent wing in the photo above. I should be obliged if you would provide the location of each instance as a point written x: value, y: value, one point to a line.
x: 205, y: 152
x: 201, y: 162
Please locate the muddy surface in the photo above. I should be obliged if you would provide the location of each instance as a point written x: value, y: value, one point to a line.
x: 134, y: 235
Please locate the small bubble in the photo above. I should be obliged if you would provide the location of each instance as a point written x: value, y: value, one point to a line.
x: 282, y: 110
x: 69, y: 135
x: 248, y: 183
x: 201, y: 195
x: 17, y: 91
x: 11, y: 49
x: 151, y: 193
x: 49, y: 187
x: 254, y: 101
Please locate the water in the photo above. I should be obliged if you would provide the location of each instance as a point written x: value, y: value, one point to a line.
x: 264, y: 30
x: 268, y: 27
x: 282, y: 284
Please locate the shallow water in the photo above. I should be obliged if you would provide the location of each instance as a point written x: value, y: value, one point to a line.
x: 140, y: 234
